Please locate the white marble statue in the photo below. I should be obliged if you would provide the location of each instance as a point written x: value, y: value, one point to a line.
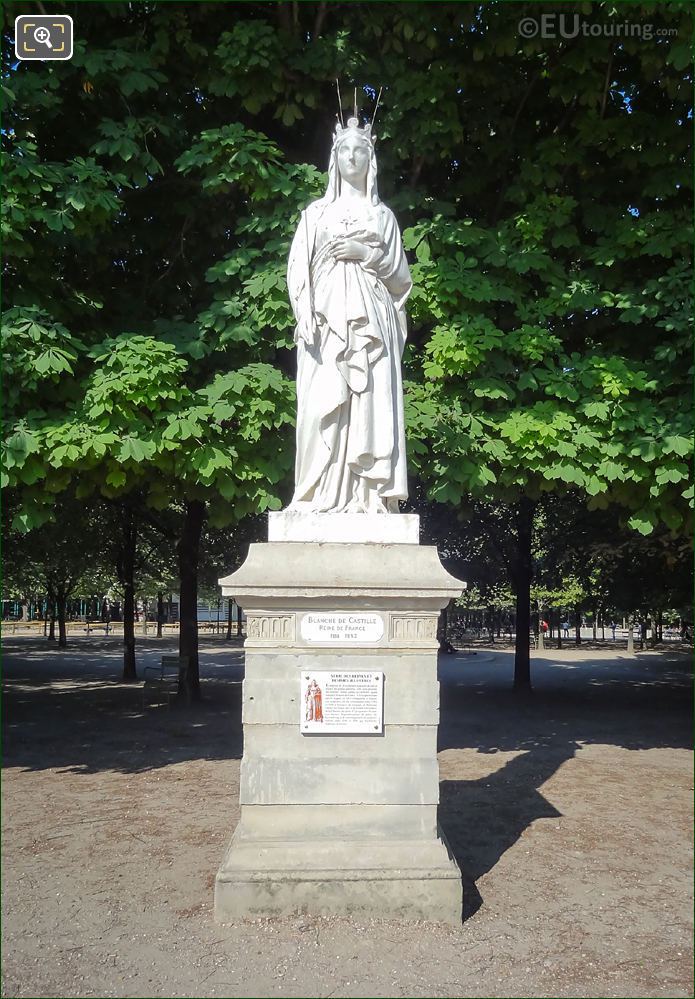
x: 348, y: 281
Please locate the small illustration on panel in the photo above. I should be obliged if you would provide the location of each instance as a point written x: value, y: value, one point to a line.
x: 313, y: 703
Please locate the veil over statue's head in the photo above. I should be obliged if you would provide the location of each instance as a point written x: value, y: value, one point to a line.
x: 352, y: 129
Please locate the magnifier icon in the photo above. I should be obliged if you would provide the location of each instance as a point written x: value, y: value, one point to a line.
x: 43, y: 35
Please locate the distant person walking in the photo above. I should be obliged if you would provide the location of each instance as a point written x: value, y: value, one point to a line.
x: 613, y: 627
x: 565, y: 629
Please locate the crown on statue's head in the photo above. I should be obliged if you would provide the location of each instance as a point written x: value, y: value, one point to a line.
x: 353, y: 124
x: 353, y: 127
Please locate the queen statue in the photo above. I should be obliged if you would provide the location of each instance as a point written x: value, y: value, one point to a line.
x: 348, y: 281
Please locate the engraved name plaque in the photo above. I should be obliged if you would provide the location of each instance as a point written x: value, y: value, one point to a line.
x: 333, y: 628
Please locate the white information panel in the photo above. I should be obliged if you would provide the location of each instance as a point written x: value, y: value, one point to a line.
x: 342, y: 701
x: 332, y: 628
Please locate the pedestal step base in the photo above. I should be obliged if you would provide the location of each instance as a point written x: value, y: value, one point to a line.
x: 397, y: 880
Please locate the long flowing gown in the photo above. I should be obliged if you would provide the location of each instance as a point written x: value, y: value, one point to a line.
x: 351, y: 331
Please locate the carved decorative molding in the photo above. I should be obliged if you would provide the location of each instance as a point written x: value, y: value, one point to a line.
x: 418, y: 628
x: 271, y: 627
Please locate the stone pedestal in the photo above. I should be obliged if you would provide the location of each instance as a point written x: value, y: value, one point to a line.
x: 340, y: 823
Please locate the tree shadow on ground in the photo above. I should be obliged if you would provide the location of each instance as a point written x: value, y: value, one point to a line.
x: 636, y: 704
x: 69, y: 711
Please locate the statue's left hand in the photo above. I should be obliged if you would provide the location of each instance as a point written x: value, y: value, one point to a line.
x: 350, y: 249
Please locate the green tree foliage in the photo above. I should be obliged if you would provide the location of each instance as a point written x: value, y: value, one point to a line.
x: 554, y: 287
x: 60, y: 559
x: 588, y: 561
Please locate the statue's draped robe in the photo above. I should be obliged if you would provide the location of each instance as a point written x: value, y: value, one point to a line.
x: 350, y: 334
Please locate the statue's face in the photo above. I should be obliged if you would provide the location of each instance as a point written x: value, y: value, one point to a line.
x: 353, y: 159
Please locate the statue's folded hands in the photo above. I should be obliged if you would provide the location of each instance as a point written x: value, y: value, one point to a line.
x: 349, y: 249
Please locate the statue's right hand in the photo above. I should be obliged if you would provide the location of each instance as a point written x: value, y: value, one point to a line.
x: 349, y: 249
x: 306, y: 331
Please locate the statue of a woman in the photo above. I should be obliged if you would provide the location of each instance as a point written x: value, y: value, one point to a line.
x: 348, y: 281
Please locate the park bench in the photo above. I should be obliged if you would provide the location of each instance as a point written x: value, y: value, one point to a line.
x: 164, y: 679
x: 104, y: 626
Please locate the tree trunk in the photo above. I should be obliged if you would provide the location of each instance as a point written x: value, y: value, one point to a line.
x: 128, y: 543
x: 238, y: 621
x: 577, y: 625
x: 230, y: 619
x: 522, y: 572
x: 595, y: 622
x: 655, y: 632
x: 160, y: 613
x: 442, y: 628
x: 51, y: 611
x: 61, y: 601
x: 189, y: 546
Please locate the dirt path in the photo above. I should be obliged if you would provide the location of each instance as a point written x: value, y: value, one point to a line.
x: 571, y: 816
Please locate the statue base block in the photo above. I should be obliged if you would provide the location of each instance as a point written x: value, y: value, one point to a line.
x: 342, y: 528
x: 339, y: 791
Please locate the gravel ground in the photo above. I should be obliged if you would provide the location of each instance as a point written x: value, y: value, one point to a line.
x: 570, y: 815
